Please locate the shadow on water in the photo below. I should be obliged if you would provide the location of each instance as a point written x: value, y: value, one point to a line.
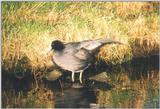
x: 136, y: 85
x: 73, y: 95
x: 133, y: 84
x: 74, y: 98
x: 18, y: 75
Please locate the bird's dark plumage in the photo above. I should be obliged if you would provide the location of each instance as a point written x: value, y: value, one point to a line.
x: 57, y: 45
x: 76, y: 56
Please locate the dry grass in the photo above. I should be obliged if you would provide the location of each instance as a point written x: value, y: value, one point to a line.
x: 28, y: 28
x: 41, y: 98
x: 112, y: 54
x: 91, y: 21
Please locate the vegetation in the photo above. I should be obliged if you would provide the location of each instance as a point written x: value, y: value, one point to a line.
x: 37, y: 97
x: 28, y: 28
x: 135, y: 86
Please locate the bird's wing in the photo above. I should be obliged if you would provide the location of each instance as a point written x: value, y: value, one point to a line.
x: 71, y: 60
x: 90, y: 45
x: 94, y: 44
x: 82, y: 54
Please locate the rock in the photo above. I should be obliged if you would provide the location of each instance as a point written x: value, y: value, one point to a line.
x: 102, y: 77
x: 53, y: 75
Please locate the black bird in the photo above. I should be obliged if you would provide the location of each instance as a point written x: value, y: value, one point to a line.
x: 77, y: 56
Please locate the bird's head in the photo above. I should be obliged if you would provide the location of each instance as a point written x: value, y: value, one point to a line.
x: 57, y: 45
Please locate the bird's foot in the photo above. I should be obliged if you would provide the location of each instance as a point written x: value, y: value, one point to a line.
x: 77, y: 85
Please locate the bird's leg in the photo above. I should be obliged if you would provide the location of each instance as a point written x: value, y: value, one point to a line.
x: 80, y: 76
x: 72, y: 76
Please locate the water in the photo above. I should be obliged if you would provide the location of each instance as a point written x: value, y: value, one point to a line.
x: 131, y: 85
x: 74, y: 98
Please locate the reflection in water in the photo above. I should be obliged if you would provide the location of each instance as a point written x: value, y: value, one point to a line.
x: 131, y: 85
x: 74, y: 98
x: 136, y: 86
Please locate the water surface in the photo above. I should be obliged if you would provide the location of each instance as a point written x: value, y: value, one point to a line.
x: 131, y: 85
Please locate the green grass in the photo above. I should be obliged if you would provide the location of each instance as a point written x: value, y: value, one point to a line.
x: 28, y: 28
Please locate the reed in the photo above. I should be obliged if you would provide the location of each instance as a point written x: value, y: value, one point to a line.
x: 28, y: 28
